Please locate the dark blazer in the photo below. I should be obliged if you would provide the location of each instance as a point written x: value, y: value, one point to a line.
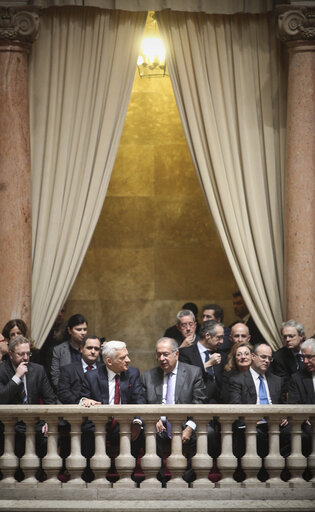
x: 95, y: 386
x: 284, y: 364
x: 189, y: 387
x: 301, y: 388
x: 243, y: 390
x: 70, y: 383
x: 191, y: 355
x: 37, y: 384
x: 61, y: 357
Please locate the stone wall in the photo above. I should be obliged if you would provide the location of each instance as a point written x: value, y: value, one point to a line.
x: 155, y: 246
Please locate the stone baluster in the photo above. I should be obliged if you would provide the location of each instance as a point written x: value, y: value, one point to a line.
x: 52, y: 461
x: 8, y: 461
x: 150, y: 462
x: 274, y: 463
x: 125, y: 462
x: 29, y: 461
x: 202, y: 462
x: 226, y: 461
x: 296, y: 461
x: 76, y: 462
x: 100, y: 462
x: 251, y: 462
x: 176, y: 462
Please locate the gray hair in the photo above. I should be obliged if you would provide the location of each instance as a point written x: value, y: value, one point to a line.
x: 109, y: 349
x: 209, y: 327
x: 310, y: 343
x: 184, y: 312
x: 173, y: 343
x: 18, y: 340
x: 292, y: 323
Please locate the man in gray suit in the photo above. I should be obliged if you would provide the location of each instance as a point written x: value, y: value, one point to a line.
x: 173, y: 382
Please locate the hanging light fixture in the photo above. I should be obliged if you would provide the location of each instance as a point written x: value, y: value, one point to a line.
x: 151, y: 61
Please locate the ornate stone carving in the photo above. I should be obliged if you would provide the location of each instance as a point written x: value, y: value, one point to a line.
x: 297, y: 24
x: 18, y: 25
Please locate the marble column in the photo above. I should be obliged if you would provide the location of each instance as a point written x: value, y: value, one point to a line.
x: 18, y: 29
x: 297, y: 29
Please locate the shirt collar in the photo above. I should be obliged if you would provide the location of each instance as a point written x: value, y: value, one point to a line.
x: 110, y: 373
x: 173, y: 371
x: 255, y: 374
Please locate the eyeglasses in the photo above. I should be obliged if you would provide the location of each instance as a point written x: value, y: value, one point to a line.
x: 22, y: 354
x: 263, y: 357
x: 290, y: 336
x: 308, y: 357
x: 245, y: 354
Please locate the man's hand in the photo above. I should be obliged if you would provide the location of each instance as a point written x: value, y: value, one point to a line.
x: 135, y: 431
x: 159, y: 426
x: 45, y: 430
x: 283, y: 423
x: 186, y: 434
x: 214, y: 359
x: 88, y: 402
x: 187, y: 341
x: 21, y: 370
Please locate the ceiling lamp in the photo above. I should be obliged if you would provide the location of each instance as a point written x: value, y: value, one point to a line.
x: 151, y: 61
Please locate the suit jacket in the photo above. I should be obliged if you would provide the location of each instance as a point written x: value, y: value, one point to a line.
x: 191, y: 355
x: 70, y: 383
x: 61, y: 357
x: 243, y: 390
x: 189, y: 386
x: 95, y: 386
x: 301, y: 388
x: 284, y: 364
x: 37, y: 385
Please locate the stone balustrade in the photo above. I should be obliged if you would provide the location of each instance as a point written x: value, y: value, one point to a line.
x: 226, y: 471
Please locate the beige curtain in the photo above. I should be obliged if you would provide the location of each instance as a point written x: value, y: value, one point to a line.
x: 228, y: 86
x: 81, y: 75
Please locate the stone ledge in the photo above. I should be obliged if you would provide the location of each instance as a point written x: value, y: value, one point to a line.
x: 192, y: 506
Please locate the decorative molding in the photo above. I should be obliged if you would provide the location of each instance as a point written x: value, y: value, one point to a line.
x: 296, y: 24
x: 18, y: 25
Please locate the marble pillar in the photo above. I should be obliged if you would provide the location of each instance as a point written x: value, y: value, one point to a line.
x: 18, y: 29
x: 297, y: 30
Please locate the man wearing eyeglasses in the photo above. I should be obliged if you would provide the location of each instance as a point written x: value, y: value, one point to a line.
x: 259, y: 386
x: 288, y: 359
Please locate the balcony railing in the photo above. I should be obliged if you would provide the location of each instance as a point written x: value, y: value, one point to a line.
x: 248, y: 471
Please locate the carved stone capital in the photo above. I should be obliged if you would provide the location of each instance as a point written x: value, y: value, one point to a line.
x: 18, y: 25
x: 296, y: 24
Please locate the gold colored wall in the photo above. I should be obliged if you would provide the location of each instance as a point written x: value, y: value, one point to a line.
x: 155, y: 246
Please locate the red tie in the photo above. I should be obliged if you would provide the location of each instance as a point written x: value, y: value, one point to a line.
x: 88, y: 368
x: 117, y: 394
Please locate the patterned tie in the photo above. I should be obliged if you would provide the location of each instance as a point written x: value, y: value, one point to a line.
x: 299, y: 361
x: 23, y: 394
x: 117, y: 393
x: 210, y: 369
x: 169, y: 399
x: 263, y: 397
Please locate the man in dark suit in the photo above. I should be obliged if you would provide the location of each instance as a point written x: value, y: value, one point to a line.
x: 302, y: 390
x: 174, y: 332
x: 215, y: 312
x: 288, y: 359
x: 259, y: 386
x: 22, y: 382
x: 173, y: 382
x: 241, y: 310
x: 205, y: 354
x: 115, y: 383
x: 72, y: 375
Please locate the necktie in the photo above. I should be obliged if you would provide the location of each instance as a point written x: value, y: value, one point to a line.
x: 263, y: 397
x: 299, y: 361
x: 117, y: 393
x: 89, y: 367
x: 23, y: 394
x: 170, y: 389
x: 210, y: 369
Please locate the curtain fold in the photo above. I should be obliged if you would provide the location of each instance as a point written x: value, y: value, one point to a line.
x: 229, y: 88
x: 81, y: 74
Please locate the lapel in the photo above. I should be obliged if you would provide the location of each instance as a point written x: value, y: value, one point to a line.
x: 102, y: 380
x: 250, y: 386
x: 123, y: 387
x: 309, y: 388
x: 272, y: 388
x: 180, y: 381
x: 158, y: 385
x: 30, y: 384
